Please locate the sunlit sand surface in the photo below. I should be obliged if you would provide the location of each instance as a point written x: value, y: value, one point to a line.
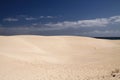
x: 31, y: 57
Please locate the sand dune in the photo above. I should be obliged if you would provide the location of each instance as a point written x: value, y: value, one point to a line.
x: 58, y: 58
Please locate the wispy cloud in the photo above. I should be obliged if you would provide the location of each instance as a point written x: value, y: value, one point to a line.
x: 35, y: 24
x: 105, y: 32
x: 27, y: 18
x: 10, y: 19
x: 50, y: 17
x: 41, y: 17
x: 47, y: 17
x: 30, y: 18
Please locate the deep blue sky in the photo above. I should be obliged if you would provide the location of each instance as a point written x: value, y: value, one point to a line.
x: 60, y: 17
x: 77, y: 9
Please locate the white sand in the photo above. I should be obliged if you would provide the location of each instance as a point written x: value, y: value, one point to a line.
x: 58, y: 58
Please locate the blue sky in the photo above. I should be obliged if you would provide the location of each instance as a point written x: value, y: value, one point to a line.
x: 100, y: 18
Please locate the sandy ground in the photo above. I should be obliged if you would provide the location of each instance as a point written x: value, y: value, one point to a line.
x: 58, y: 58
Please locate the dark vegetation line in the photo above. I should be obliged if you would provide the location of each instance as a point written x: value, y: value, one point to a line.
x: 111, y: 38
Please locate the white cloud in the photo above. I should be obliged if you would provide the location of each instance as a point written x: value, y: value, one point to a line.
x: 118, y: 20
x: 47, y: 17
x: 41, y: 16
x: 80, y: 23
x: 10, y: 19
x: 34, y: 24
x: 115, y: 19
x: 98, y: 22
x: 93, y: 22
x: 30, y: 18
x: 105, y: 32
x: 50, y: 17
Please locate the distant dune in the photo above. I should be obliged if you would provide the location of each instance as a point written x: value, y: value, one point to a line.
x: 31, y: 57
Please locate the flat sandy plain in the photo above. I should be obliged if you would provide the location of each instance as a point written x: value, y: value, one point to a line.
x: 32, y: 57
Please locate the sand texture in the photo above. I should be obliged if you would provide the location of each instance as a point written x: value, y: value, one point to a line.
x: 32, y: 57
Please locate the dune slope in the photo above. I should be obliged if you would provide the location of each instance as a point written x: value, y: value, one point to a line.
x: 58, y: 58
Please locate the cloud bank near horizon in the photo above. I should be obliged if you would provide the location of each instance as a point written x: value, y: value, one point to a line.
x: 10, y: 19
x: 91, y: 27
x: 98, y: 22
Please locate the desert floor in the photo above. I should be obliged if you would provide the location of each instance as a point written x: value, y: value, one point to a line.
x: 32, y: 57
